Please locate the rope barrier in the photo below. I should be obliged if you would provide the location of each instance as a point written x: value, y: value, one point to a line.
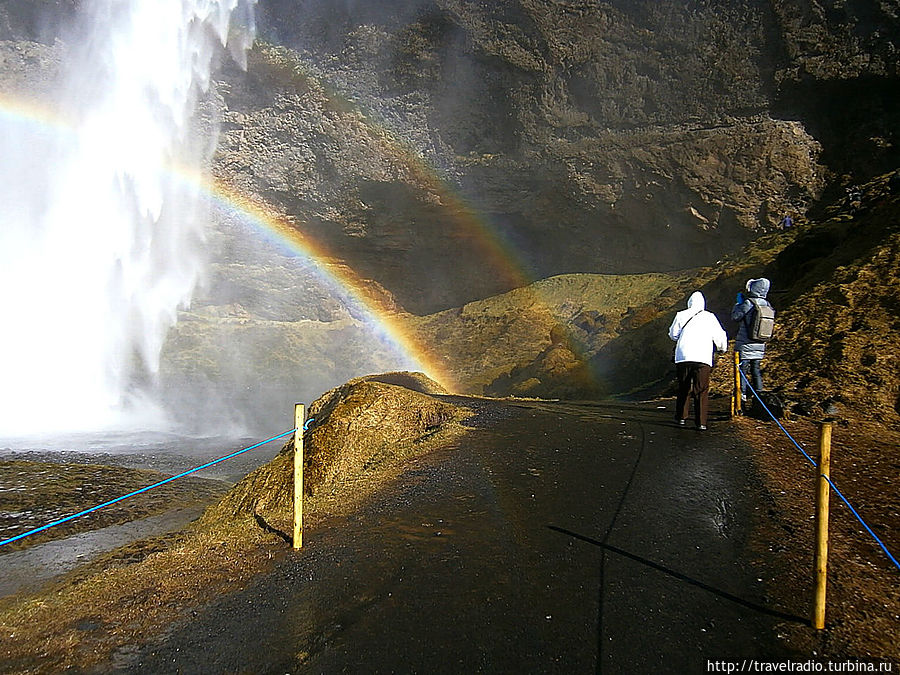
x: 816, y: 465
x: 145, y: 489
x: 775, y: 419
x: 859, y: 518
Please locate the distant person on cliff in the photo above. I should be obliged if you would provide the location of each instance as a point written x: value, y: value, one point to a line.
x: 755, y: 317
x: 697, y: 334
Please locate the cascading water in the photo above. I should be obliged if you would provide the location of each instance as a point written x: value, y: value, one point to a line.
x: 101, y: 232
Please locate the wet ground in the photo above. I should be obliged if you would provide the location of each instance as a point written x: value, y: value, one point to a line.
x: 166, y: 453
x: 28, y: 569
x: 39, y: 465
x: 555, y: 538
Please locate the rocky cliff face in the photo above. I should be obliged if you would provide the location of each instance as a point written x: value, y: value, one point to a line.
x: 585, y: 137
x: 421, y: 141
x: 838, y: 74
x: 448, y: 150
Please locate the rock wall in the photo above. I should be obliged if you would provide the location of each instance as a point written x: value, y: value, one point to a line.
x: 411, y: 138
x: 839, y: 74
x: 448, y: 151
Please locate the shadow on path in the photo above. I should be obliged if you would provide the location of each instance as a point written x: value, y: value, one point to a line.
x: 683, y: 577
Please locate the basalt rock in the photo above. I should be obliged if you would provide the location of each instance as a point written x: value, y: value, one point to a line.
x: 40, y: 20
x: 402, y: 205
x: 611, y: 137
x: 407, y: 139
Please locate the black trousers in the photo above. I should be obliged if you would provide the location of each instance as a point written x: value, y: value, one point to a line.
x: 693, y: 384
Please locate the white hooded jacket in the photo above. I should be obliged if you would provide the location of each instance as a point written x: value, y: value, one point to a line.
x: 697, y: 332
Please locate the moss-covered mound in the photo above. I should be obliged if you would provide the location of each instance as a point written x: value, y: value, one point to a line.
x: 358, y: 434
x: 532, y: 341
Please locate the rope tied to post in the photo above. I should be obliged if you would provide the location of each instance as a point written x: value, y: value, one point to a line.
x: 822, y: 475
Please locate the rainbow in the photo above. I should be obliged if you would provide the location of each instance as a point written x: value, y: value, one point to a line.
x: 383, y: 317
x: 28, y: 113
x: 498, y: 254
x: 283, y: 231
x: 385, y: 320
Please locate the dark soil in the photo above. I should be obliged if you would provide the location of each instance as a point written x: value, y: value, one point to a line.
x: 863, y: 601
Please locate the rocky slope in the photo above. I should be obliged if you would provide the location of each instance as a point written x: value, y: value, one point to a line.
x: 839, y: 344
x: 835, y: 286
x: 492, y: 345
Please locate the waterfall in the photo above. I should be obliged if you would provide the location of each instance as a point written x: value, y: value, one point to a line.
x: 100, y: 232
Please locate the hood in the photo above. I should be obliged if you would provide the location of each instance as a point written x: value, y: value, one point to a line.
x: 697, y: 302
x: 758, y: 288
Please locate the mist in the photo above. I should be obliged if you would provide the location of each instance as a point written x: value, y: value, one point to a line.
x: 102, y: 241
x: 267, y: 328
x: 135, y: 299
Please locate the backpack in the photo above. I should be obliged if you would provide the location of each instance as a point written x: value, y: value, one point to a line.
x: 762, y: 326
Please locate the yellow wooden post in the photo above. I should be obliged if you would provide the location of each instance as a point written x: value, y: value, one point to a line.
x: 822, y: 494
x: 736, y: 399
x: 298, y: 476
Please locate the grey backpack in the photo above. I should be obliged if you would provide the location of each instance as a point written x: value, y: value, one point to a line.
x: 762, y: 325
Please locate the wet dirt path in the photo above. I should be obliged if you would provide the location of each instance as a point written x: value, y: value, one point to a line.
x: 555, y: 538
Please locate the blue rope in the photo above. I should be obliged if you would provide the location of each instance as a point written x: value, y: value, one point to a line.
x: 859, y: 518
x: 137, y: 492
x: 815, y: 464
x: 750, y: 387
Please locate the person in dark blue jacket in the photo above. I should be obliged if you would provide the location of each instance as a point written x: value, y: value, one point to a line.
x: 751, y: 352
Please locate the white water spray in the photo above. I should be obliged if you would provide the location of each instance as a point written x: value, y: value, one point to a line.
x: 100, y: 235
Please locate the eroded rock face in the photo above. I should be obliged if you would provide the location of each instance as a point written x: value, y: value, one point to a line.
x: 839, y: 73
x: 451, y: 150
x: 41, y: 20
x: 422, y: 142
x: 448, y: 151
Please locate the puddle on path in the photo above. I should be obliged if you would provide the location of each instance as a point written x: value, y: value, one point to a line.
x: 28, y: 569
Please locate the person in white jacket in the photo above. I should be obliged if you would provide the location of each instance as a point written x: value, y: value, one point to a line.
x: 698, y: 334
